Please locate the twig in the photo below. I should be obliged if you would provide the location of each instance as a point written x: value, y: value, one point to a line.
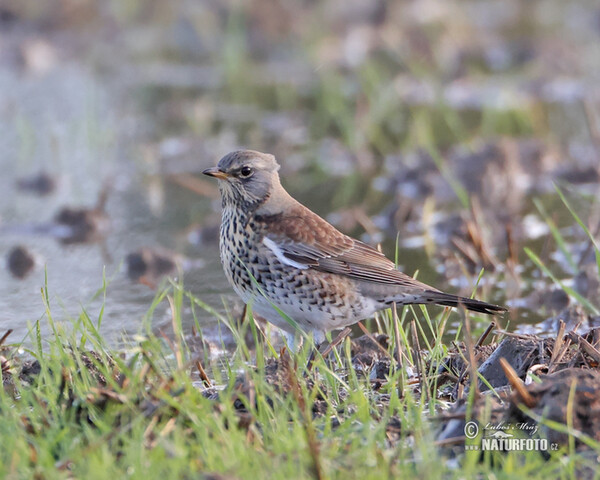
x: 559, y: 351
x: 196, y: 185
x: 470, y: 351
x: 398, y: 350
x: 485, y: 334
x: 334, y: 343
x: 419, y: 360
x: 517, y: 384
x: 203, y: 376
x: 586, y: 346
x: 5, y: 336
x: 513, y: 256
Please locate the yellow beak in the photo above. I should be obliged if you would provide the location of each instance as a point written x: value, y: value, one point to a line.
x: 215, y: 172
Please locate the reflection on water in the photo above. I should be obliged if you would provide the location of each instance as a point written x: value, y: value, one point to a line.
x: 69, y: 126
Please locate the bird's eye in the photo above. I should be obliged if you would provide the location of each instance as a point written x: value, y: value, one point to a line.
x: 246, y: 172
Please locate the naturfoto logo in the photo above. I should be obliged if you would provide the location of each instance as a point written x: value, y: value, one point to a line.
x: 505, y: 436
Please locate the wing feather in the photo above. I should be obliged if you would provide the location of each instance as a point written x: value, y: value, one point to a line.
x: 306, y: 239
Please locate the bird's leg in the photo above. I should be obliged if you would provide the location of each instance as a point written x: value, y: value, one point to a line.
x: 290, y: 340
x: 242, y: 318
x: 319, y: 340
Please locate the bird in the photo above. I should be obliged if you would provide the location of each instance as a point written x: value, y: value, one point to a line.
x: 296, y: 270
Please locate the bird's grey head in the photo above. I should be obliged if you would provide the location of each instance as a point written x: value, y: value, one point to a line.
x: 246, y: 178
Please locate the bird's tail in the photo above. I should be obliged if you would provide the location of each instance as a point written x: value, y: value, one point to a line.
x: 448, y: 300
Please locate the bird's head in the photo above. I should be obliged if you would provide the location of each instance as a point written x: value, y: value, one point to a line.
x: 247, y: 179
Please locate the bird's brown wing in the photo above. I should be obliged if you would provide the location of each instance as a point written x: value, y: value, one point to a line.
x: 306, y: 239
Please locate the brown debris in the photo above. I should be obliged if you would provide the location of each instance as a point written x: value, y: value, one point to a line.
x: 20, y: 262
x: 570, y: 397
x: 520, y: 352
x: 569, y: 394
x: 148, y: 265
x: 517, y: 384
x: 82, y: 225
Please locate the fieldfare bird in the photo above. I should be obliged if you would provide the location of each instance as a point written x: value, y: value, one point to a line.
x: 296, y: 269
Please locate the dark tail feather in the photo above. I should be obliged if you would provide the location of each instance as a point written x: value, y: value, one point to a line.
x: 447, y: 300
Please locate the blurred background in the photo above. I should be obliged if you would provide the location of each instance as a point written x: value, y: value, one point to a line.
x: 437, y: 128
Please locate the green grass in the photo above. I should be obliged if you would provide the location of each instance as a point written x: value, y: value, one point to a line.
x: 153, y: 421
x: 562, y: 244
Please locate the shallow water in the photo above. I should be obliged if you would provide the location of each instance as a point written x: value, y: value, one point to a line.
x: 70, y: 124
